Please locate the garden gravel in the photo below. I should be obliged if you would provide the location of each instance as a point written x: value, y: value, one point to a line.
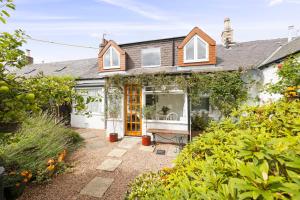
x: 67, y: 186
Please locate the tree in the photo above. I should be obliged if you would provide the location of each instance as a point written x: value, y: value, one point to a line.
x: 20, y: 96
x: 114, y: 96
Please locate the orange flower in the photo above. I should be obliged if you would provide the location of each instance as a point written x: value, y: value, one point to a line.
x: 29, y: 176
x: 60, y: 158
x: 50, y: 162
x: 64, y: 152
x: 291, y: 88
x: 25, y: 180
x: 50, y: 167
x: 24, y: 173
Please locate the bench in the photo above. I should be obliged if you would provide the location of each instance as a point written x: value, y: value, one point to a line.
x: 179, y: 135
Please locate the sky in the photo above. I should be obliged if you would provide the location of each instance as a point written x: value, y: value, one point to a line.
x: 83, y: 22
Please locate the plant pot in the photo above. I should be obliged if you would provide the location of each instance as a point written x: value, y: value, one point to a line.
x: 113, y: 137
x: 13, y: 192
x: 146, y: 140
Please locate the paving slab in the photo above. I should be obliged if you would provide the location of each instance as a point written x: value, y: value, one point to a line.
x: 172, y: 151
x: 117, y: 153
x: 97, y: 187
x: 109, y: 165
x: 147, y: 148
x: 89, y: 135
x: 95, y: 144
x: 129, y: 142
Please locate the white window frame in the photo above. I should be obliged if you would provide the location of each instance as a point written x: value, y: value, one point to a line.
x: 109, y: 50
x: 86, y: 95
x: 196, y: 51
x: 142, y: 60
x: 175, y: 91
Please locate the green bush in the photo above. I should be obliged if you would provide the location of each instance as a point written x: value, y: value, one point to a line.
x: 254, y: 154
x: 200, y: 121
x: 38, y: 140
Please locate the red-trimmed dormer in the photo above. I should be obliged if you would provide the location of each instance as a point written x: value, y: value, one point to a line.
x: 112, y: 58
x: 197, y: 49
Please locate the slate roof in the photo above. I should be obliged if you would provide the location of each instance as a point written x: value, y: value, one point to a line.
x: 288, y: 49
x: 243, y: 55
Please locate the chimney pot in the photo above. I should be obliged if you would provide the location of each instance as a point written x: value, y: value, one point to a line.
x: 291, y: 33
x: 104, y: 41
x: 28, y: 57
x: 28, y: 52
x: 227, y: 34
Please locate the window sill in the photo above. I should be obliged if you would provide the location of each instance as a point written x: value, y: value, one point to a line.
x: 150, y: 66
x: 166, y: 122
x: 195, y: 61
x: 111, y: 67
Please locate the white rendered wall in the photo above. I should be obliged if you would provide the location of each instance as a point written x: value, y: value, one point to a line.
x: 269, y: 76
x: 95, y: 121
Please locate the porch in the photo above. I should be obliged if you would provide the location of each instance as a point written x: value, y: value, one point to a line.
x: 145, y: 107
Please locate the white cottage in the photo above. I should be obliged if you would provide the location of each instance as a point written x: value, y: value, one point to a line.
x: 195, y: 52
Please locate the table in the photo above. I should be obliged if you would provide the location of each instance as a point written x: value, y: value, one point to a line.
x: 179, y: 135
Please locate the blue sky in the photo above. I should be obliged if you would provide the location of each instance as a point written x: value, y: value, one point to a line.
x: 83, y: 22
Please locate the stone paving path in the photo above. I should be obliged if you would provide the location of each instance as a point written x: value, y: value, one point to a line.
x: 117, y: 153
x: 97, y: 187
x: 109, y: 165
x: 125, y: 160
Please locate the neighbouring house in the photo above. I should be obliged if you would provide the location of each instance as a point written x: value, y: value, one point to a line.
x: 195, y: 52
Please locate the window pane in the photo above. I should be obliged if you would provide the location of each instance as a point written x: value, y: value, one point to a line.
x: 107, y: 59
x: 115, y: 58
x: 189, y: 50
x: 201, y: 49
x: 151, y: 57
x: 201, y: 105
x: 167, y: 106
x: 96, y: 106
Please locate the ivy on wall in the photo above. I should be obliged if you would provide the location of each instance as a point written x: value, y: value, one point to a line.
x: 225, y: 89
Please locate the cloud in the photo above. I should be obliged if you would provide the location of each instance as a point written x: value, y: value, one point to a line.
x: 142, y: 9
x: 277, y: 2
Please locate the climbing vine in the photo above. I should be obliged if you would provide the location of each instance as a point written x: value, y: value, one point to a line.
x: 226, y: 89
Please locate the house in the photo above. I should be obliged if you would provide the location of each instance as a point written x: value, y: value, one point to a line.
x: 195, y: 52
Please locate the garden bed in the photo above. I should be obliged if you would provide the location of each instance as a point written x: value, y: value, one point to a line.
x: 36, y: 152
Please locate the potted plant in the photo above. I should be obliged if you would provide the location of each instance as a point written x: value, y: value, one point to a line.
x: 165, y: 110
x: 114, y: 109
x: 147, y: 113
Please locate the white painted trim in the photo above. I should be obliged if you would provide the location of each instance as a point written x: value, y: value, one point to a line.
x: 167, y: 121
x: 196, y: 51
x: 111, y: 59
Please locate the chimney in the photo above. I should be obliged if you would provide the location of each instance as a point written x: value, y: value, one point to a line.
x: 28, y: 57
x: 292, y: 33
x: 227, y: 34
x: 104, y: 42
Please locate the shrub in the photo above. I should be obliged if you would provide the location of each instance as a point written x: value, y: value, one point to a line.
x: 200, y: 121
x: 254, y: 154
x: 37, y: 150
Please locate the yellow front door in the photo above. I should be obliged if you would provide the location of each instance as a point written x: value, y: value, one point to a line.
x: 133, y: 110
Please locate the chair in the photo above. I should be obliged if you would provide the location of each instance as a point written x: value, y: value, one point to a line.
x: 172, y: 116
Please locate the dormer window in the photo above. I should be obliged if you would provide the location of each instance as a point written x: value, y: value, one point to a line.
x: 111, y: 59
x: 151, y: 57
x: 196, y: 50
